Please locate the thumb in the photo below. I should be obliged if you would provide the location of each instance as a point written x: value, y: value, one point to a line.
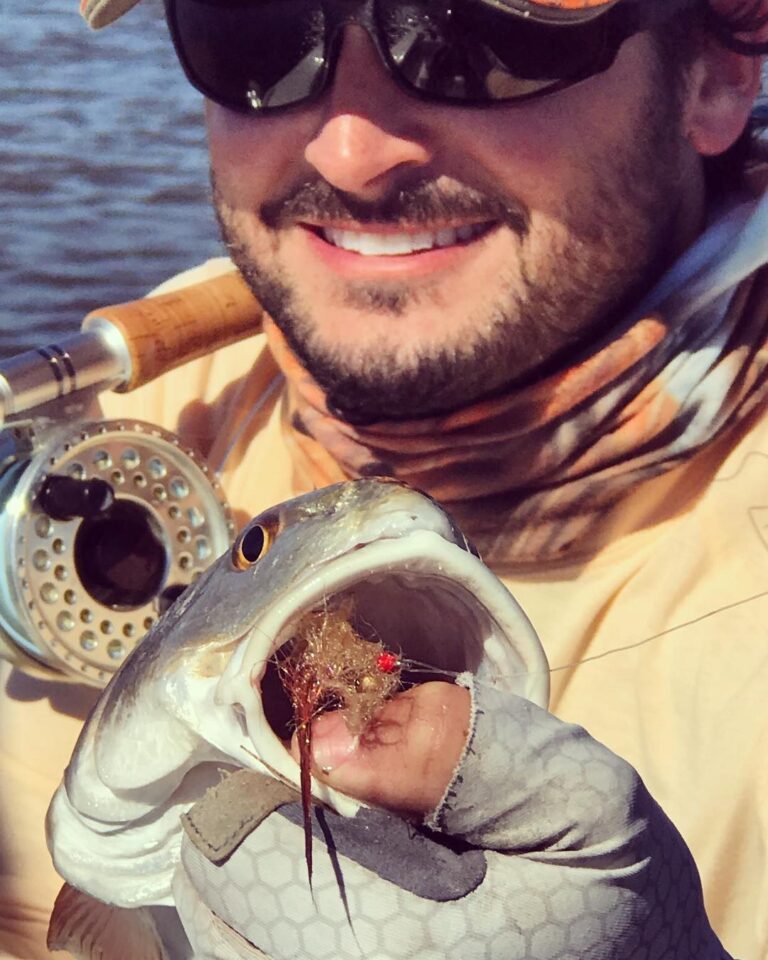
x: 405, y: 760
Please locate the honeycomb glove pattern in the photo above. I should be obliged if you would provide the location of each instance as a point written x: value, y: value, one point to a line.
x: 546, y: 846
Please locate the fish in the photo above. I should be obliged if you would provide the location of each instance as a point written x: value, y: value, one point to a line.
x: 200, y: 695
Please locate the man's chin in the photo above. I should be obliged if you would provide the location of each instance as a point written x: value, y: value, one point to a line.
x: 365, y: 400
x: 384, y: 383
x: 373, y: 358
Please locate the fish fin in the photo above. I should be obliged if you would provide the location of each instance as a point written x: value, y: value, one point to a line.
x: 92, y: 930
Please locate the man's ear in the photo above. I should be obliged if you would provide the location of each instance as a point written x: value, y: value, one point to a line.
x: 721, y: 90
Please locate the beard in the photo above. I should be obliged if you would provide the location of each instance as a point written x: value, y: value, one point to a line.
x: 569, y: 284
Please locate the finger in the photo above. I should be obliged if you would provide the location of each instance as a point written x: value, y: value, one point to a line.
x: 407, y: 757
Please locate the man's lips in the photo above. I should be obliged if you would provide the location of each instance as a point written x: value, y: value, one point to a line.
x: 396, y: 241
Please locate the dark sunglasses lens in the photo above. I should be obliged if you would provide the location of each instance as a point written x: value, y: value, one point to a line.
x: 474, y: 52
x: 250, y: 55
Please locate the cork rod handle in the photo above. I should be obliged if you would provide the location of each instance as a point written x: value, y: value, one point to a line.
x: 164, y: 331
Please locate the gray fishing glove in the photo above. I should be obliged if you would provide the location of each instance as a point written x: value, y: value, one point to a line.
x: 546, y: 846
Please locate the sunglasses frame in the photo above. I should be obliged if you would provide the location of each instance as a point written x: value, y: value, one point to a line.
x: 618, y: 22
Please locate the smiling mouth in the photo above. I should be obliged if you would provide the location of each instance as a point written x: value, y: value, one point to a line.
x: 394, y: 244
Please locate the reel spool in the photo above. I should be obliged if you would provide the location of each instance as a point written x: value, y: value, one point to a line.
x: 104, y: 527
x: 105, y: 523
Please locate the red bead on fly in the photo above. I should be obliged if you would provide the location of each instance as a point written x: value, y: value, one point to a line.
x: 388, y: 662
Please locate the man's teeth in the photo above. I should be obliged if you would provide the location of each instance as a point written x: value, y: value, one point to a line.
x: 396, y: 244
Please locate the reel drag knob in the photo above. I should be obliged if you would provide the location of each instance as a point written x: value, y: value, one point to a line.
x: 64, y: 498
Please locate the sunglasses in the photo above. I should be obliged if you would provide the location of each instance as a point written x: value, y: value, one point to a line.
x: 257, y: 56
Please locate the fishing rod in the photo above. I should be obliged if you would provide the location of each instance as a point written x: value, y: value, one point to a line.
x: 106, y: 522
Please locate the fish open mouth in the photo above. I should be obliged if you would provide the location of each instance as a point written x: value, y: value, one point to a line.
x: 429, y: 601
x: 434, y: 627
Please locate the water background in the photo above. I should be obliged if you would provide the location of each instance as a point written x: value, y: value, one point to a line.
x: 103, y: 168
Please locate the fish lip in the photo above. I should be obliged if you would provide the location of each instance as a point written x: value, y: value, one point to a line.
x: 519, y: 666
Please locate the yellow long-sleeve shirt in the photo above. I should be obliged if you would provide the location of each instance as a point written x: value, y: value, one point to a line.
x: 667, y: 627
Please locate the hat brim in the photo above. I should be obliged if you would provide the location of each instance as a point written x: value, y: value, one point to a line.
x: 556, y: 12
x: 100, y: 13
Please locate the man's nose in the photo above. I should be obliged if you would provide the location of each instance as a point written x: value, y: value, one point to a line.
x: 368, y: 127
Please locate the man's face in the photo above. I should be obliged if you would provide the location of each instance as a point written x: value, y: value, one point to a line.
x: 419, y: 256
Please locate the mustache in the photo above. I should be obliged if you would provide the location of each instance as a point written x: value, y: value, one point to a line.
x: 420, y: 204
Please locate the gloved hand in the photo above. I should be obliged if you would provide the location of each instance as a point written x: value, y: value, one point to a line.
x: 533, y: 841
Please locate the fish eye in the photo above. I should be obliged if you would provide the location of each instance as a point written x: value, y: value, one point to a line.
x: 251, y: 546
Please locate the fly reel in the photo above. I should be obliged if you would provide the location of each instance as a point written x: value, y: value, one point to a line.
x: 105, y: 525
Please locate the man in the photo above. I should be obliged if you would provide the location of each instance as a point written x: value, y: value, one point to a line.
x: 525, y: 287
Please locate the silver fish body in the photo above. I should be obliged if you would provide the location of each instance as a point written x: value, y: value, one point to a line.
x: 188, y: 702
